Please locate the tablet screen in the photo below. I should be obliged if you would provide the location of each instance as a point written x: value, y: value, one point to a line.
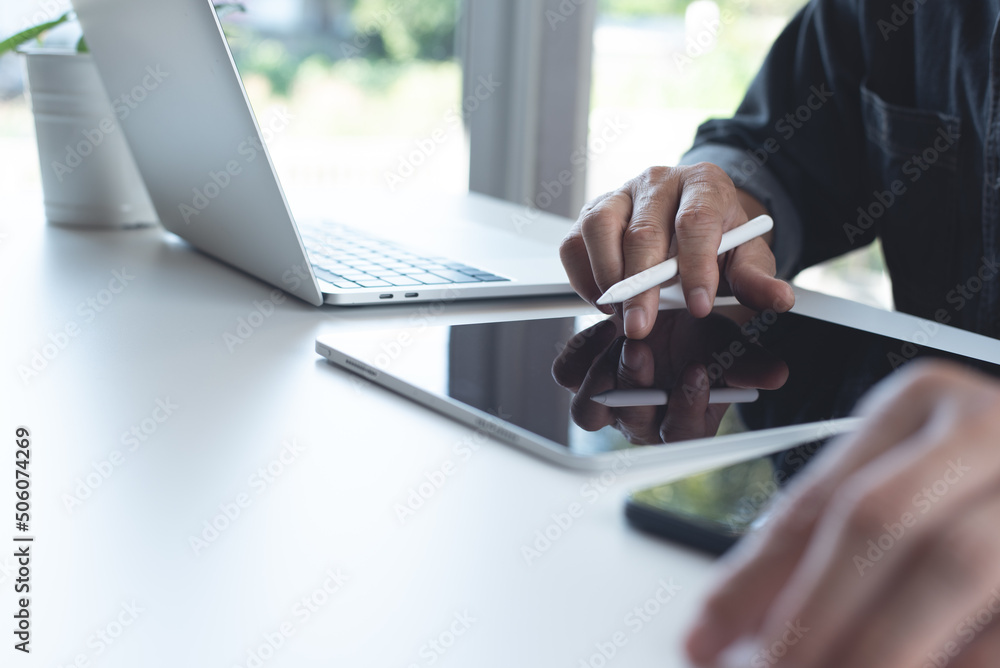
x: 731, y: 372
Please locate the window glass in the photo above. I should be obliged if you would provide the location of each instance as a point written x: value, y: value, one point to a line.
x: 661, y: 68
x: 370, y: 90
x: 372, y: 87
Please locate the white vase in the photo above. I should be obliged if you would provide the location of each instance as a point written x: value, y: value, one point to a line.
x: 89, y: 177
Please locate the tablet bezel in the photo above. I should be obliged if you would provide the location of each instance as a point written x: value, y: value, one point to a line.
x: 710, y: 450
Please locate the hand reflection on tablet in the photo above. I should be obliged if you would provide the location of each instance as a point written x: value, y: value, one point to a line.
x: 684, y: 355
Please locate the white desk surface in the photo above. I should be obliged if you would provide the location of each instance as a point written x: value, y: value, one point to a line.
x: 331, y: 508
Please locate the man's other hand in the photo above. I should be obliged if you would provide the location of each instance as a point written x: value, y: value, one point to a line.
x: 886, y: 551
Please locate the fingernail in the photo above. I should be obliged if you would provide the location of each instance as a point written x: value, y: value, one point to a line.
x: 698, y: 302
x: 635, y: 320
x: 788, y: 301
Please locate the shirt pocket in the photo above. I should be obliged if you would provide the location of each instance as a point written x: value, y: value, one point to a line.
x: 912, y: 166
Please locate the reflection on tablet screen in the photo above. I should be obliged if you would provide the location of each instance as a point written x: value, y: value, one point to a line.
x: 542, y: 375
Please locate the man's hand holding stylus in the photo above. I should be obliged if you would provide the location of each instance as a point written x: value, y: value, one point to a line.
x: 884, y: 551
x: 666, y: 211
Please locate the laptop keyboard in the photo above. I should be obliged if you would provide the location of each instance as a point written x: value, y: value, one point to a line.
x: 348, y: 258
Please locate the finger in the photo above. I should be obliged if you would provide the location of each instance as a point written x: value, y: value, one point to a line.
x: 749, y: 270
x: 590, y: 415
x: 756, y: 368
x: 901, y: 497
x: 635, y: 370
x: 687, y: 406
x: 571, y: 365
x: 939, y: 604
x: 755, y: 570
x: 896, y: 410
x: 576, y: 262
x: 980, y: 637
x: 708, y: 207
x: 602, y: 229
x: 763, y: 374
x: 762, y: 563
x: 644, y: 245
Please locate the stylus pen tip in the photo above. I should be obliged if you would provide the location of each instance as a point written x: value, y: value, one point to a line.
x: 607, y: 298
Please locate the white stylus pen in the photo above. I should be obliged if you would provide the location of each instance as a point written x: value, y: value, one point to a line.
x: 663, y: 272
x: 719, y: 395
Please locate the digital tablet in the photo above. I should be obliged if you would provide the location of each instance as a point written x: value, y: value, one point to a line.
x: 736, y: 384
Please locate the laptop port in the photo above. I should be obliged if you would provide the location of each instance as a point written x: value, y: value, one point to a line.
x: 410, y: 295
x: 388, y: 295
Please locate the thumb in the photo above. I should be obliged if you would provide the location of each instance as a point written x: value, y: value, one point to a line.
x: 750, y: 270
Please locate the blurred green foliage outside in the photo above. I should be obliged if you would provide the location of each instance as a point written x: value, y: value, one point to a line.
x: 394, y: 37
x: 678, y: 7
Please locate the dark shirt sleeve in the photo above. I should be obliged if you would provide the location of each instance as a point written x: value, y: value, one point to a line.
x: 797, y: 141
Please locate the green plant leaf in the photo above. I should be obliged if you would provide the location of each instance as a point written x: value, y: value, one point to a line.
x: 81, y: 45
x: 20, y: 38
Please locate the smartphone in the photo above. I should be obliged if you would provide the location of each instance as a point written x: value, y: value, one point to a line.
x: 710, y: 511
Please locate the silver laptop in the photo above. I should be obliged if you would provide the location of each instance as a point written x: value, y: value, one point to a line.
x: 199, y: 149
